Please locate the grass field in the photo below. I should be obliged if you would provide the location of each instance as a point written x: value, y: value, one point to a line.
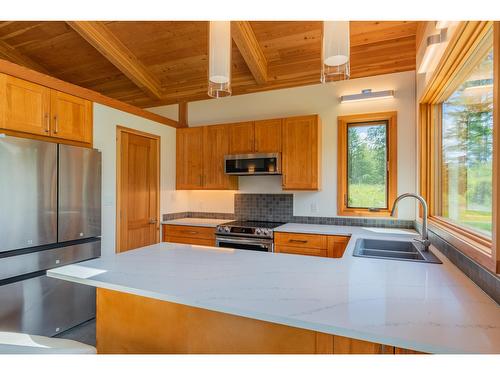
x: 364, y: 195
x: 476, y: 220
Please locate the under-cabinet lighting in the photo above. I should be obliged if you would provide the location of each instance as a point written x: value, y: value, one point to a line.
x: 367, y: 94
x: 433, y: 42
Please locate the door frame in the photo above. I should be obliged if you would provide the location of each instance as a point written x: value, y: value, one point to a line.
x: 119, y: 132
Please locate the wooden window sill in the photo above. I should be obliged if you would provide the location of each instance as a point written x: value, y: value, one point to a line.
x: 477, y: 247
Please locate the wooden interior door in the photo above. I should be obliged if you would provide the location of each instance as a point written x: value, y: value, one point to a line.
x: 215, y: 146
x: 71, y: 117
x: 138, y: 156
x: 301, y: 148
x: 189, y: 158
x: 25, y: 106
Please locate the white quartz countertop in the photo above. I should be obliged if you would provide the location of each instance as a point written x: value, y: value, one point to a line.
x: 196, y: 222
x: 426, y: 307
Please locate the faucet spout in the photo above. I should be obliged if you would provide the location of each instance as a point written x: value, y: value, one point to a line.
x: 424, y: 237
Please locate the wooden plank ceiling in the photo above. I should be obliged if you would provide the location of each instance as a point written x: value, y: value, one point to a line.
x: 154, y: 63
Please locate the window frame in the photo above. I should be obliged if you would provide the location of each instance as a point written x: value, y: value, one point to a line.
x: 392, y: 173
x: 463, y: 51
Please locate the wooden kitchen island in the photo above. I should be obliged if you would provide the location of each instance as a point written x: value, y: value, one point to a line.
x: 127, y: 323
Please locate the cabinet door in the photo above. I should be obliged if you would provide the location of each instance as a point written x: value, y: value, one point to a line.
x: 24, y: 106
x: 241, y: 138
x: 268, y: 135
x: 215, y: 146
x: 189, y: 158
x: 337, y: 246
x: 301, y: 153
x: 71, y: 117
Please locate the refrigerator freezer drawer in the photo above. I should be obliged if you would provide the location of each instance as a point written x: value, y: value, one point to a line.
x: 45, y: 306
x: 18, y: 265
x: 28, y: 197
x: 79, y: 193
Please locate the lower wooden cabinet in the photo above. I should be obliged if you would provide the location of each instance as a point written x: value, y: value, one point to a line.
x: 190, y: 235
x: 310, y: 244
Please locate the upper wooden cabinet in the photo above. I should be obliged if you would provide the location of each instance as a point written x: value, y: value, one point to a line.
x: 201, y: 150
x: 255, y: 137
x: 24, y: 106
x: 215, y: 146
x: 71, y: 117
x: 200, y: 159
x: 241, y: 138
x: 301, y: 154
x: 268, y: 135
x: 189, y: 158
x: 28, y: 109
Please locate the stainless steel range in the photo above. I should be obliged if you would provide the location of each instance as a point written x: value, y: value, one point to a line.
x: 246, y: 235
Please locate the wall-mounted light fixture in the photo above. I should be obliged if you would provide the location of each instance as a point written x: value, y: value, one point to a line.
x: 433, y: 42
x: 367, y: 94
x: 219, y: 59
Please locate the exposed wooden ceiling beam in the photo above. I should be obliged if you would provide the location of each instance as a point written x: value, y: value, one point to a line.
x: 249, y: 47
x: 98, y: 35
x: 183, y: 114
x: 8, y: 52
x: 31, y: 75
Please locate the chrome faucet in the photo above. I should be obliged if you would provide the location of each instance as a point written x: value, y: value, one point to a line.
x: 424, y: 238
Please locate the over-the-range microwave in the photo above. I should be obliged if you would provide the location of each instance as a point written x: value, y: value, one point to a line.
x: 253, y: 164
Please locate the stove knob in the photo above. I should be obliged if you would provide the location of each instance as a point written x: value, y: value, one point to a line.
x: 227, y: 229
x: 267, y: 232
x: 258, y: 231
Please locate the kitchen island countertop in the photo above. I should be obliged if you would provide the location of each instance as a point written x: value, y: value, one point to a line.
x: 431, y: 308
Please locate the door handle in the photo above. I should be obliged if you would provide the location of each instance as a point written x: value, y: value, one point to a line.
x: 47, y: 123
x: 152, y: 221
x: 56, y: 125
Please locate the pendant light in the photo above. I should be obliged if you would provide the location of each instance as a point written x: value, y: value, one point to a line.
x: 335, y: 53
x: 219, y: 59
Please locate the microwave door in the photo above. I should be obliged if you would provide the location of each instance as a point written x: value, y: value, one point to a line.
x: 79, y: 193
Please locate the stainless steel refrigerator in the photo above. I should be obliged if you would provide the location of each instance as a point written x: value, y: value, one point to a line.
x: 50, y: 216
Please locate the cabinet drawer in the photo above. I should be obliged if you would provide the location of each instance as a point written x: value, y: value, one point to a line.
x: 189, y: 231
x: 189, y: 241
x: 313, y: 241
x: 301, y: 250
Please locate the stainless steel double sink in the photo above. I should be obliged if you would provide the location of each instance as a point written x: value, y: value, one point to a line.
x: 395, y: 250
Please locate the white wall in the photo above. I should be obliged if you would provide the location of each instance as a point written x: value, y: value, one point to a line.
x: 323, y: 100
x: 105, y: 121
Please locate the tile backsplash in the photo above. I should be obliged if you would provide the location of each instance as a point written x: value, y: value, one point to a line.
x: 279, y: 208
x: 264, y: 207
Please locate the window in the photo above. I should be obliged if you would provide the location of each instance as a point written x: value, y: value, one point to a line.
x: 458, y: 143
x: 465, y: 181
x: 367, y: 169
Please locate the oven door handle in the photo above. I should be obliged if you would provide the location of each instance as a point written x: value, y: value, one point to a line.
x: 263, y: 243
